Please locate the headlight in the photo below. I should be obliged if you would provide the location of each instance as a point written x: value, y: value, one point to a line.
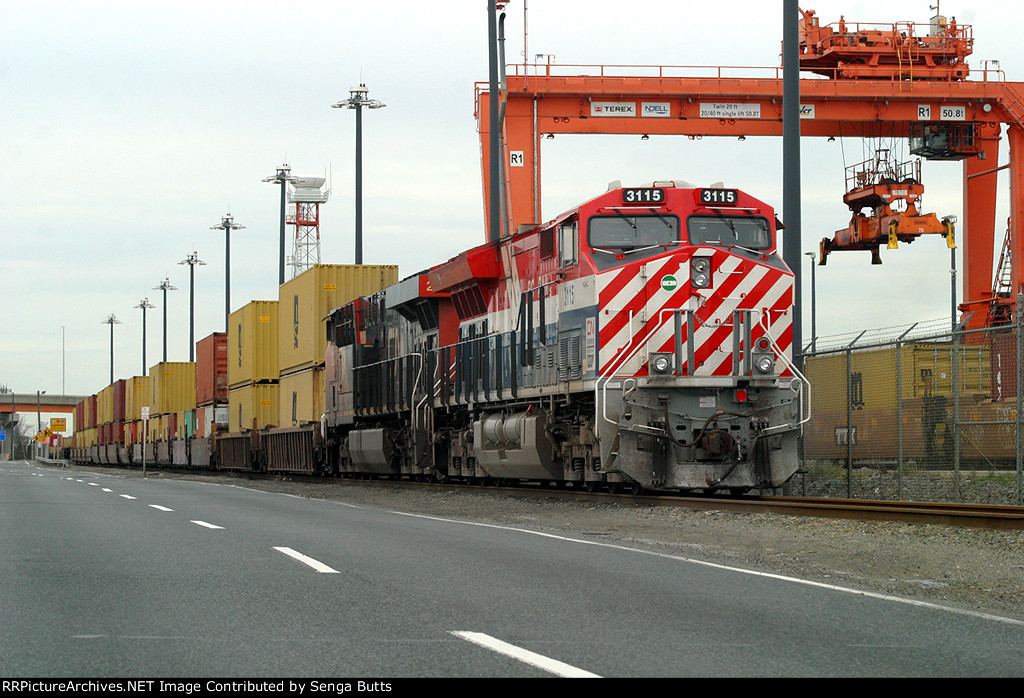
x: 764, y: 364
x: 700, y: 272
x: 661, y: 363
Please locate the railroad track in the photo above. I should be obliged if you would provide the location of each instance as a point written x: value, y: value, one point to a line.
x: 966, y: 515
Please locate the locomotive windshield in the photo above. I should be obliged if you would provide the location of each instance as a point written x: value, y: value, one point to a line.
x: 751, y: 232
x: 627, y: 231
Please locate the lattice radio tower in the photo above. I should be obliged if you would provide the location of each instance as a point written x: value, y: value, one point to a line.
x: 307, y: 194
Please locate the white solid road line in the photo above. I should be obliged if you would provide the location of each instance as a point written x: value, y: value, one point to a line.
x: 315, y: 564
x: 207, y: 525
x: 532, y: 658
x: 715, y: 565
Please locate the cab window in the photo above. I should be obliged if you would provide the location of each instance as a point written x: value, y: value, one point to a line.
x: 625, y: 231
x: 752, y: 232
x: 567, y: 244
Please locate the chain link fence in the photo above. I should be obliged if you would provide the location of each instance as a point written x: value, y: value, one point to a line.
x: 916, y: 414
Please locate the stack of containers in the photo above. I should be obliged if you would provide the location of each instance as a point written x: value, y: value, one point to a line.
x: 91, y: 437
x: 252, y: 366
x: 136, y: 396
x: 172, y: 392
x: 305, y: 302
x: 117, y: 435
x: 211, y: 384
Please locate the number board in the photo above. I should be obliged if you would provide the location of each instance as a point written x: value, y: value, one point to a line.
x: 643, y: 196
x: 719, y: 196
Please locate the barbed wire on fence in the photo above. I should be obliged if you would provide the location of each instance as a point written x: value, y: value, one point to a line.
x: 936, y: 329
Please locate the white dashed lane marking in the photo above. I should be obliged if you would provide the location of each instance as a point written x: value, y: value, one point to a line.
x: 548, y: 664
x: 315, y: 564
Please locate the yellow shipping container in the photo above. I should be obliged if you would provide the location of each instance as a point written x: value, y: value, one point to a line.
x: 301, y: 397
x: 252, y: 344
x: 155, y: 429
x: 88, y: 438
x: 252, y: 401
x: 136, y: 396
x: 105, y: 405
x: 172, y: 387
x: 925, y: 371
x: 306, y: 300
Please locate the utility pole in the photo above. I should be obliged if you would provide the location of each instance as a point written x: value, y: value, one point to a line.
x: 227, y: 224
x: 144, y: 303
x: 282, y: 177
x: 111, y: 321
x: 357, y: 100
x: 165, y: 286
x: 192, y: 260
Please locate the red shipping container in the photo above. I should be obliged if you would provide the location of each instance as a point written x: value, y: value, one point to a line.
x: 212, y: 369
x: 117, y: 432
x: 171, y: 426
x: 118, y: 406
x: 90, y: 410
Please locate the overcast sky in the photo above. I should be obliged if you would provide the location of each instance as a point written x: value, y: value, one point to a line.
x: 127, y: 129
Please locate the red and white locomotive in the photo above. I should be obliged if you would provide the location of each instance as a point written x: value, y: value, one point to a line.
x: 639, y: 340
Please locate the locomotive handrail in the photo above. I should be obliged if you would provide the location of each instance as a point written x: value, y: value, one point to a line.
x: 613, y: 366
x: 805, y: 384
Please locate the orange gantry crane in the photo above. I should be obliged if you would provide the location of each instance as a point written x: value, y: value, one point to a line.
x: 869, y: 80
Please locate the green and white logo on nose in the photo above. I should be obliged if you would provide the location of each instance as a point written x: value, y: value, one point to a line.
x: 669, y: 282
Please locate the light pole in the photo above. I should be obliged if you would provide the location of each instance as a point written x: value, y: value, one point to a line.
x: 227, y: 224
x: 282, y: 177
x: 8, y: 438
x: 39, y: 419
x: 111, y: 321
x: 192, y: 260
x: 357, y: 100
x: 165, y: 286
x: 814, y: 329
x: 144, y: 303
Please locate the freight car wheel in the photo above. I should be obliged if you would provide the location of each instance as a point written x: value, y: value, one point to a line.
x: 591, y: 485
x: 614, y: 487
x: 635, y: 488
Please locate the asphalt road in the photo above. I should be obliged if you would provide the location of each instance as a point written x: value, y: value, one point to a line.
x: 106, y: 576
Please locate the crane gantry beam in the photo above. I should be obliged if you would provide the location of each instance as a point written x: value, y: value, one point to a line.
x: 682, y: 101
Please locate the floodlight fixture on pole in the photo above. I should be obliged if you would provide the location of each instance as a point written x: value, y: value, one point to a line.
x: 192, y: 260
x: 112, y: 320
x: 144, y: 304
x: 282, y: 177
x: 165, y: 286
x: 357, y: 100
x: 227, y: 224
